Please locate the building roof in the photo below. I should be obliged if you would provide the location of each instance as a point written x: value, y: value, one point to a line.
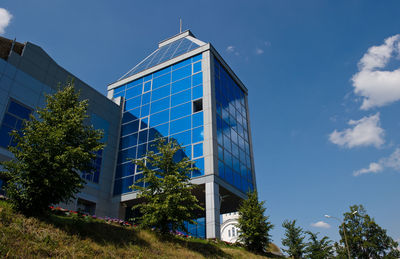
x: 167, y: 49
x: 7, y: 44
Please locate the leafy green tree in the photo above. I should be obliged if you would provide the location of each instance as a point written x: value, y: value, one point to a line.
x: 51, y: 150
x: 365, y: 238
x: 294, y: 239
x: 167, y: 192
x: 318, y: 248
x: 253, y: 224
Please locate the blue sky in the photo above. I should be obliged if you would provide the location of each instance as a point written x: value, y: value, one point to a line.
x: 323, y: 80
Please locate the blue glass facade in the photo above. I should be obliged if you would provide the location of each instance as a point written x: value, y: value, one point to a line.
x: 13, y: 120
x: 161, y: 104
x: 234, y: 156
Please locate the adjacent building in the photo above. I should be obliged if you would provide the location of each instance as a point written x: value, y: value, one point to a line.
x: 184, y: 91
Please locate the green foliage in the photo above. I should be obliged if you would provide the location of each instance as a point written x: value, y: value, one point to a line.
x: 168, y: 199
x: 365, y: 238
x: 51, y: 150
x: 294, y: 239
x: 253, y: 224
x: 318, y: 248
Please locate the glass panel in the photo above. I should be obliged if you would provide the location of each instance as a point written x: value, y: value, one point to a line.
x: 144, y: 123
x: 161, y: 81
x: 147, y: 86
x: 196, y: 67
x: 199, y: 163
x: 160, y: 105
x: 146, y: 98
x: 181, y: 97
x: 159, y: 118
x: 162, y: 129
x: 180, y: 125
x: 197, y: 134
x: 130, y: 128
x: 129, y: 141
x: 161, y: 72
x: 197, y: 92
x: 132, y: 103
x: 197, y: 57
x: 9, y: 120
x: 19, y: 110
x: 143, y: 136
x: 182, y: 64
x: 181, y: 111
x: 183, y: 138
x: 197, y: 119
x: 198, y: 150
x: 134, y: 91
x: 127, y: 154
x: 181, y: 73
x: 181, y: 85
x: 161, y: 93
x: 145, y: 110
x: 125, y: 170
x: 128, y: 116
x: 197, y: 79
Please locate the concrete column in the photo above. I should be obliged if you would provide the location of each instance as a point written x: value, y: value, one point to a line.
x: 212, y: 211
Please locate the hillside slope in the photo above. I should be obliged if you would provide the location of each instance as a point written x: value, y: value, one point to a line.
x: 77, y: 237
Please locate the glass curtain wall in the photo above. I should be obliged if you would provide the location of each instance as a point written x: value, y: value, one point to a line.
x: 166, y: 103
x: 234, y: 161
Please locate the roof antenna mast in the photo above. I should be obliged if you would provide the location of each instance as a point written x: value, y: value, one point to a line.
x: 180, y: 25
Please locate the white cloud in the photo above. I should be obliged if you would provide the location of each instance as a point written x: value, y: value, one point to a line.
x: 230, y: 48
x: 259, y: 51
x: 373, y: 168
x: 365, y: 132
x: 320, y: 224
x: 391, y: 162
x: 377, y: 86
x: 5, y: 18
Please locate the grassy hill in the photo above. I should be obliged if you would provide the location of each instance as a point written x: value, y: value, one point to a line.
x: 60, y: 236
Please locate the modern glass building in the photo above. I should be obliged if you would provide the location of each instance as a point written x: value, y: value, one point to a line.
x: 185, y: 91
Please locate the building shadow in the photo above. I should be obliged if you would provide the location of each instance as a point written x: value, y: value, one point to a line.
x: 99, y: 232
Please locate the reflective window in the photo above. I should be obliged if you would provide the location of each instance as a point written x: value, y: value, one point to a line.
x: 134, y: 91
x: 182, y: 138
x: 181, y: 73
x: 180, y: 98
x: 180, y: 125
x: 181, y: 111
x: 181, y: 85
x: 155, y: 108
x: 159, y: 118
x: 160, y: 93
x: 13, y: 120
x: 232, y: 131
x: 197, y: 79
x: 198, y: 150
x: 160, y: 105
x: 197, y: 134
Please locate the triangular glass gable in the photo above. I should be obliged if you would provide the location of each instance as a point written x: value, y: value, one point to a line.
x: 163, y: 54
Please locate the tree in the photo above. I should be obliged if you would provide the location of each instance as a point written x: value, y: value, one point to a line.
x: 365, y: 238
x: 167, y: 192
x: 253, y: 224
x: 294, y: 239
x: 51, y: 150
x: 318, y: 248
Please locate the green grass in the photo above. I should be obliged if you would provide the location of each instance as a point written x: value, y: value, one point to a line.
x: 59, y: 236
